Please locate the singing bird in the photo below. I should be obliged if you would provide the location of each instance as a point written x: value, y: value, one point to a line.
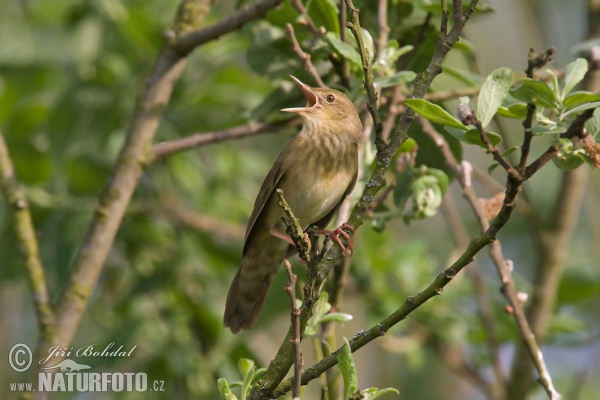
x: 316, y: 170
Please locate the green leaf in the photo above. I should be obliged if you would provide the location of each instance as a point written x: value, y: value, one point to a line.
x: 464, y: 45
x: 442, y: 178
x: 344, y: 49
x: 492, y: 94
x: 578, y: 98
x: 519, y: 109
x: 373, y: 393
x: 574, y: 72
x: 368, y: 42
x: 398, y: 79
x: 543, y: 130
x: 474, y: 137
x: 569, y: 161
x: 581, y: 108
x: 324, y: 13
x: 592, y: 125
x: 457, y: 133
x: 245, y: 365
x: 434, y: 113
x: 348, y: 369
x: 492, y: 168
x: 516, y: 111
x: 224, y: 389
x: 510, y: 151
x: 532, y: 91
x: 407, y: 146
x: 336, y: 317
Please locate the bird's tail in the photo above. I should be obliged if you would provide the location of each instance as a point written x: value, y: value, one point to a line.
x: 246, y: 297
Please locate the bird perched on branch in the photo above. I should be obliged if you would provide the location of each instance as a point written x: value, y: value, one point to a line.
x: 316, y: 170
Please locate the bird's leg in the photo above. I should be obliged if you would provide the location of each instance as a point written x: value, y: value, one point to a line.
x: 334, y: 236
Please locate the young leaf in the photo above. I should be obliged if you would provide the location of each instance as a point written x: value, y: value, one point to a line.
x: 510, y: 151
x: 245, y: 365
x: 224, y: 389
x: 373, y: 393
x: 578, y: 98
x: 348, y: 369
x: 492, y: 168
x: 492, y: 94
x: 581, y: 108
x: 434, y: 113
x: 569, y: 161
x: 574, y: 72
x: 336, y: 317
x: 593, y: 124
x: 542, y: 130
x: 442, y: 178
x: 532, y: 91
x: 344, y: 49
x: 473, y: 137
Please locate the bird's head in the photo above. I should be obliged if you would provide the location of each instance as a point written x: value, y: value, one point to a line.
x: 328, y: 108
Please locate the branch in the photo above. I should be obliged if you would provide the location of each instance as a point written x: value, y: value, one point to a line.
x: 294, y: 229
x: 264, y: 388
x: 290, y: 288
x: 495, y: 153
x: 187, y: 42
x: 115, y: 197
x: 576, y: 130
x: 368, y: 79
x: 18, y: 208
x: 503, y: 267
x: 200, y: 139
x: 384, y: 29
x: 308, y: 65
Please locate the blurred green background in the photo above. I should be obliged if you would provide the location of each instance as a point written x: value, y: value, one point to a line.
x: 70, y: 71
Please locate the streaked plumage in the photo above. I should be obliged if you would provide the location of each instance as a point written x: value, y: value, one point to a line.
x: 316, y: 170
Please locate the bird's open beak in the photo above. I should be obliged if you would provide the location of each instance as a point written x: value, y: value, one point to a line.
x: 311, y: 97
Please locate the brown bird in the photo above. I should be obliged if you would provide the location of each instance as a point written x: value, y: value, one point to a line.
x: 316, y: 170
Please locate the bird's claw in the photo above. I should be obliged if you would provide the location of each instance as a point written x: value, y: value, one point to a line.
x: 334, y: 236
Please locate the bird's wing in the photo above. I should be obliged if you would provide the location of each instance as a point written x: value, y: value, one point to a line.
x: 266, y: 190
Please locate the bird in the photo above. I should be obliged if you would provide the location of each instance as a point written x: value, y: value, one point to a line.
x: 316, y: 170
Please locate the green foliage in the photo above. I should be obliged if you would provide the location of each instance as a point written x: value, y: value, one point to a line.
x: 492, y: 94
x: 434, y: 113
x: 424, y: 186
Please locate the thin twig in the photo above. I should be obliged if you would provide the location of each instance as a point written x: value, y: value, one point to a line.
x: 368, y: 79
x: 294, y: 229
x: 200, y: 139
x: 308, y: 65
x: 290, y: 288
x: 384, y: 29
x: 484, y: 307
x: 307, y: 20
x: 575, y: 130
x: 513, y: 187
x: 495, y: 152
x: 18, y: 208
x: 187, y: 42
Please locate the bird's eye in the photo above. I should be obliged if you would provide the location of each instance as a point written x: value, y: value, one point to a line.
x: 330, y: 98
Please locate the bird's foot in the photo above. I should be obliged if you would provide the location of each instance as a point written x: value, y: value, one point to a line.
x: 334, y: 236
